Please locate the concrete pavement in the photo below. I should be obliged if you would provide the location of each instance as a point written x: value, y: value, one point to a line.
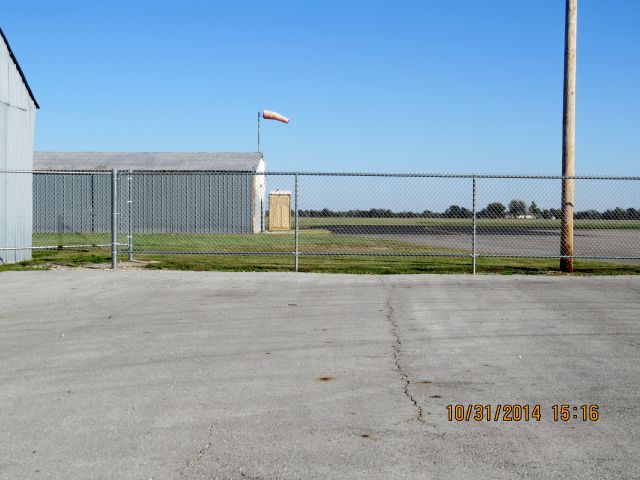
x: 171, y: 375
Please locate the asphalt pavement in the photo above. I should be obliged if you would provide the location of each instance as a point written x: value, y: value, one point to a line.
x: 187, y: 375
x: 494, y: 240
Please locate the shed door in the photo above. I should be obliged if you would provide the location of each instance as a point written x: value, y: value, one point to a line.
x: 279, y: 212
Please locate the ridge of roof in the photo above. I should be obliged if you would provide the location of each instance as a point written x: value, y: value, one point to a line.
x: 22, y: 75
x: 223, y: 161
x: 141, y: 152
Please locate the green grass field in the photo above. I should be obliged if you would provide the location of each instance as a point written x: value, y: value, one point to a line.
x: 316, y: 240
x: 47, y: 259
x: 310, y: 240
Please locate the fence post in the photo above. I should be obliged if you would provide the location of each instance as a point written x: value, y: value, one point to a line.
x: 130, y: 229
x: 473, y: 240
x: 296, y: 223
x: 114, y: 218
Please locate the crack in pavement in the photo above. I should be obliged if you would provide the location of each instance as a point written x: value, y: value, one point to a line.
x: 397, y: 352
x: 194, y: 461
x: 200, y: 453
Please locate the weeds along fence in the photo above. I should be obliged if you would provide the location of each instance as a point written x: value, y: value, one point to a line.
x: 296, y: 217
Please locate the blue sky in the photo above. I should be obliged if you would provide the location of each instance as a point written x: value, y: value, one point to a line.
x: 424, y: 86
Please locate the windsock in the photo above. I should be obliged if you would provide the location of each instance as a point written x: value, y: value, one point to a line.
x: 268, y: 115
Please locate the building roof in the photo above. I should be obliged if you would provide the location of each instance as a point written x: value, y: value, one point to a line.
x: 15, y: 61
x: 212, y: 161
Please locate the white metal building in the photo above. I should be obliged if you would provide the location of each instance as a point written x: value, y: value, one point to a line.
x: 172, y: 192
x: 17, y: 118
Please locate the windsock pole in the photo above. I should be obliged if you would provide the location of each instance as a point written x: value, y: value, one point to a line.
x: 269, y: 115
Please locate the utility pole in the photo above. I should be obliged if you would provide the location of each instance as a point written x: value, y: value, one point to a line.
x: 568, y: 135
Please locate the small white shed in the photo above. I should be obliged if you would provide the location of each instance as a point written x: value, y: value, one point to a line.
x: 17, y: 118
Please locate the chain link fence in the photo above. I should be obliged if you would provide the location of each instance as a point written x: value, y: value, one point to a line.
x: 327, y: 217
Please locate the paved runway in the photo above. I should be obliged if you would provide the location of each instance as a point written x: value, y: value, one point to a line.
x: 503, y: 241
x: 185, y: 375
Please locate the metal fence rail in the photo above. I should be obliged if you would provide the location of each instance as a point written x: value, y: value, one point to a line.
x: 329, y: 215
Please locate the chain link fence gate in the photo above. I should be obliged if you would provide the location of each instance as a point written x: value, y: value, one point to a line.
x: 333, y: 217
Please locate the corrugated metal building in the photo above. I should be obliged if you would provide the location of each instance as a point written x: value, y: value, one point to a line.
x: 17, y: 118
x: 177, y: 192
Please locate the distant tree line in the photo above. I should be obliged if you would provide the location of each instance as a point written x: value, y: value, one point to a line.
x: 515, y: 208
x: 615, y: 214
